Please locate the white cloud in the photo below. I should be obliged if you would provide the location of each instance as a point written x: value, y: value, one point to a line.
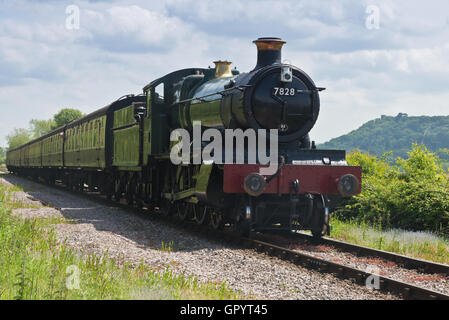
x: 134, y: 29
x: 121, y: 46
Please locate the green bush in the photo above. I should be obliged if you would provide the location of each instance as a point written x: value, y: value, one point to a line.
x: 410, y: 193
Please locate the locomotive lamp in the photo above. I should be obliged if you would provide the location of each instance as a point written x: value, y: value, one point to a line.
x: 254, y: 184
x: 286, y: 74
x: 139, y: 110
x: 347, y: 185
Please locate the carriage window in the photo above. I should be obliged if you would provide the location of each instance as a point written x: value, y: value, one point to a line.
x: 83, y: 136
x: 91, y: 134
x: 159, y: 93
x: 149, y: 93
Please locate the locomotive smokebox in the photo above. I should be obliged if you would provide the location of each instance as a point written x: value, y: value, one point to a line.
x: 272, y: 96
x: 269, y: 51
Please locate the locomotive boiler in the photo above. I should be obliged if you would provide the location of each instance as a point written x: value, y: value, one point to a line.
x: 131, y: 137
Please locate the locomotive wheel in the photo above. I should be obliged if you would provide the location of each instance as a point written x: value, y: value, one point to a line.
x: 216, y: 219
x: 76, y: 184
x: 167, y: 208
x: 319, y: 223
x: 139, y: 203
x: 49, y: 180
x: 139, y: 196
x: 185, y: 211
x: 130, y: 189
x: 117, y: 196
x: 129, y: 199
x: 108, y: 187
x: 317, y: 234
x: 201, y: 214
x: 117, y: 190
x: 80, y: 186
x: 243, y: 228
x: 71, y: 183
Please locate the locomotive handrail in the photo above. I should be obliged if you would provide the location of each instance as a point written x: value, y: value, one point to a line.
x: 311, y: 91
x: 282, y: 164
x: 212, y: 94
x: 126, y: 126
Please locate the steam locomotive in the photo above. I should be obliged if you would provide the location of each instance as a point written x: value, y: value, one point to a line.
x: 125, y: 149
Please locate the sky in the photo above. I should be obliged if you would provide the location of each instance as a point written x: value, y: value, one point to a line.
x: 373, y: 57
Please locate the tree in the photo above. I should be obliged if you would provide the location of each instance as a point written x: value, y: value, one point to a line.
x: 396, y: 134
x: 18, y: 137
x: 65, y: 116
x: 40, y: 127
x: 2, y: 155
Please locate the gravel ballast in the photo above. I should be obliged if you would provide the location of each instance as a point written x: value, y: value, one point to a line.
x: 99, y: 228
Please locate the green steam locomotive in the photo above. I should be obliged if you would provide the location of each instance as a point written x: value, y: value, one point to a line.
x: 124, y: 149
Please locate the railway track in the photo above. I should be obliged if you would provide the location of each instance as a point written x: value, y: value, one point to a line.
x: 342, y: 271
x: 405, y: 290
x: 424, y: 266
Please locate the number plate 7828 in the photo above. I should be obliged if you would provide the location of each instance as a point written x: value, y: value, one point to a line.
x: 284, y: 91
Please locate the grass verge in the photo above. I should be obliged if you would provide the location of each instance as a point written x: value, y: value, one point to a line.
x: 34, y: 265
x: 422, y: 245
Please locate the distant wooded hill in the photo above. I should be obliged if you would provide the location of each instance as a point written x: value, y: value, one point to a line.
x: 396, y: 134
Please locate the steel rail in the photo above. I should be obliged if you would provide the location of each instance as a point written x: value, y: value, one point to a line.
x: 406, y: 290
x: 402, y: 260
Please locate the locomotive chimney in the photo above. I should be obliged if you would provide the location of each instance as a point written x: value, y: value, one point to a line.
x: 268, y: 51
